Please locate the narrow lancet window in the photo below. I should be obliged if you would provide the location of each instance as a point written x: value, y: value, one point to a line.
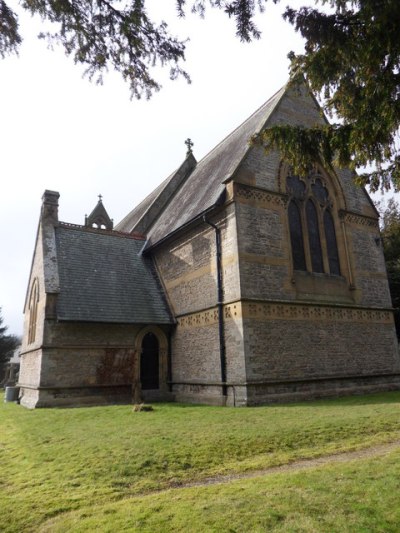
x: 296, y: 237
x: 314, y: 238
x: 331, y: 244
x: 33, y: 303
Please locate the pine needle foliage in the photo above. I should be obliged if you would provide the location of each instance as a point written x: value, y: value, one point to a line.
x: 390, y: 230
x: 351, y: 62
x: 8, y: 343
x: 101, y: 35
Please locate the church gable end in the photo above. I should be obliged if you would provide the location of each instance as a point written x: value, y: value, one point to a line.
x: 315, y: 303
x: 91, y: 295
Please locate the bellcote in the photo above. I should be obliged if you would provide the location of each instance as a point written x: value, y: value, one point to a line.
x: 99, y: 218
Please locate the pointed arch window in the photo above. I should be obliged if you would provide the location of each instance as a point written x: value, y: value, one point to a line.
x: 312, y: 226
x: 33, y: 305
x: 313, y: 237
x: 296, y: 237
x: 331, y: 245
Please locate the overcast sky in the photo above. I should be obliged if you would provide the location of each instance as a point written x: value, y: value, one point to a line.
x: 61, y: 132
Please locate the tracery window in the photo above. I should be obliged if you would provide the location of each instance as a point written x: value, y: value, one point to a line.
x: 33, y: 304
x: 311, y: 225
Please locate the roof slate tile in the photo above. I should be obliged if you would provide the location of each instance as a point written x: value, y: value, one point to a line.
x: 105, y: 278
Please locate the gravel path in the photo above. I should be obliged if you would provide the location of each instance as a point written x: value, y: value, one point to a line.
x: 302, y: 464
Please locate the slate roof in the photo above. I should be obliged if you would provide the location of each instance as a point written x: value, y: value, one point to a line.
x: 204, y: 188
x: 104, y: 278
x: 129, y: 222
x: 144, y: 214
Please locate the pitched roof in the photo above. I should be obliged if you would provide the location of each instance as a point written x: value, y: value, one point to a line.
x: 142, y: 216
x: 104, y: 278
x: 205, y: 186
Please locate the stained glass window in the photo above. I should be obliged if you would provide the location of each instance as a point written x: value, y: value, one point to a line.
x: 296, y: 237
x: 331, y: 245
x: 313, y: 237
x: 319, y: 191
x: 310, y: 218
x: 295, y: 186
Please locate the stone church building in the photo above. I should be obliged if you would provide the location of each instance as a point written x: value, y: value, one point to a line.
x: 234, y: 282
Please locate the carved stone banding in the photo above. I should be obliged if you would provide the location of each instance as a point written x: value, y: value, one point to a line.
x: 286, y: 311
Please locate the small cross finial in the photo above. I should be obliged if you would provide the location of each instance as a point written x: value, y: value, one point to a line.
x: 100, y: 197
x: 189, y: 145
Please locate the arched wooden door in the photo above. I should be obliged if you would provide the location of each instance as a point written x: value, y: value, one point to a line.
x: 150, y: 363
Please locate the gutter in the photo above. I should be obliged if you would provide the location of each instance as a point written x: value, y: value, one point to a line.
x: 198, y: 218
x: 220, y: 304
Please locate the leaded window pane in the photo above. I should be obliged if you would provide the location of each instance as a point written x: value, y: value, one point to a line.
x: 319, y: 191
x: 295, y: 186
x: 331, y: 245
x: 314, y: 238
x: 296, y: 237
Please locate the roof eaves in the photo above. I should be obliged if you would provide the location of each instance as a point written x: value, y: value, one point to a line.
x: 262, y: 124
x: 220, y: 201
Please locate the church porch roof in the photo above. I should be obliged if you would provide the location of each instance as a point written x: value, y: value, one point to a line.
x: 105, y: 278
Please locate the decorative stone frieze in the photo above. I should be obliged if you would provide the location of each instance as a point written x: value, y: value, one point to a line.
x: 359, y: 220
x: 286, y: 311
x: 265, y: 198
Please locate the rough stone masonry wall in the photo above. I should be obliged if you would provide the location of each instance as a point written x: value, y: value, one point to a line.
x: 318, y: 342
x: 289, y: 359
x: 85, y: 364
x: 31, y: 353
x: 344, y: 343
x: 79, y: 354
x: 187, y: 266
x: 188, y: 270
x: 298, y: 339
x: 369, y: 270
x: 263, y: 247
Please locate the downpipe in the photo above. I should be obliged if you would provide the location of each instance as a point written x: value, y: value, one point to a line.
x: 220, y: 305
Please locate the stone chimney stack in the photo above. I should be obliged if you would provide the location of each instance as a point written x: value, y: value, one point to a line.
x: 50, y: 206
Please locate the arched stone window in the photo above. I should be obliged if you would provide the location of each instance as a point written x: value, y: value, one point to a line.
x: 311, y: 225
x: 331, y: 245
x: 296, y: 237
x: 33, y: 304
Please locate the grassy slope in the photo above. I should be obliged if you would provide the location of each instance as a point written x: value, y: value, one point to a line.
x: 361, y: 496
x: 77, y: 461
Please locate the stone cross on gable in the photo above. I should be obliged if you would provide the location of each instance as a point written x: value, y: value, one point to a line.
x: 189, y: 145
x: 100, y: 197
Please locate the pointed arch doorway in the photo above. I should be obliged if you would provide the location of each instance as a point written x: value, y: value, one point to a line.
x: 150, y: 372
x: 150, y: 362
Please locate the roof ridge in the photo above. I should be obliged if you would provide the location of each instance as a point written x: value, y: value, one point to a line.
x: 102, y: 231
x: 244, y: 122
x: 162, y: 189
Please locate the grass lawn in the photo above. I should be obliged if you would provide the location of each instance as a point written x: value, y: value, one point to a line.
x: 95, y: 468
